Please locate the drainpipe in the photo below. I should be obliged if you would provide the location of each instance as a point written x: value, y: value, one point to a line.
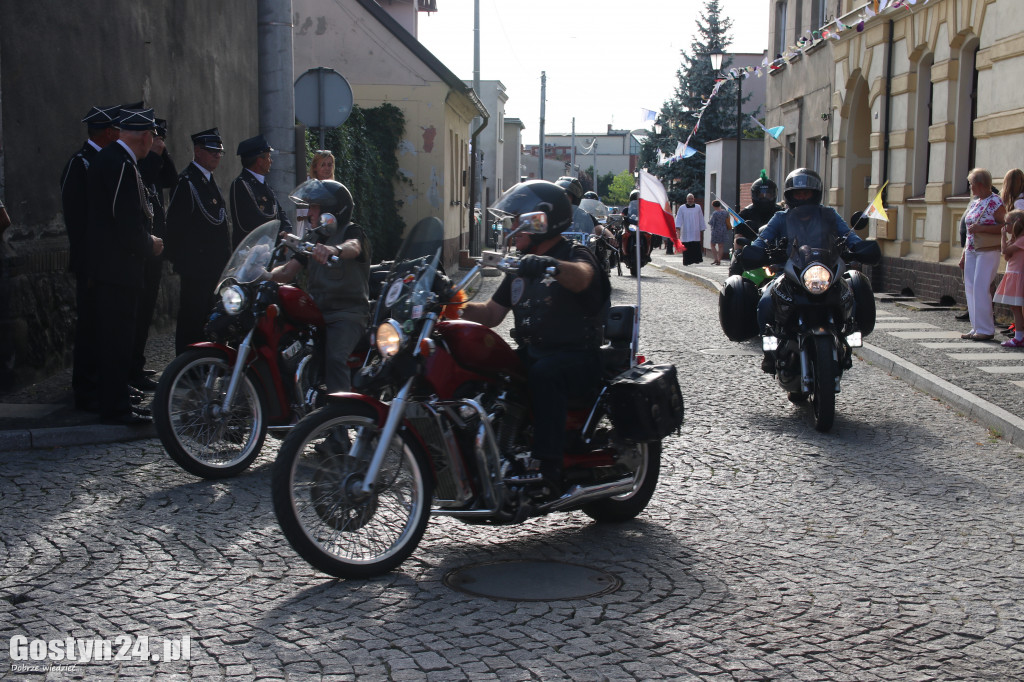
x: 474, y: 232
x: 888, y: 113
x: 277, y: 92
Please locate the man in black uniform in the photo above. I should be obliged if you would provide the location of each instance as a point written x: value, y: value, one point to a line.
x: 252, y: 200
x: 198, y: 236
x: 102, y: 123
x: 763, y: 194
x: 119, y: 243
x: 560, y: 299
x: 158, y: 173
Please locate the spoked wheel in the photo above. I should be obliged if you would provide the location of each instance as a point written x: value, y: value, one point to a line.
x: 188, y: 415
x: 319, y: 502
x: 823, y: 400
x: 627, y: 505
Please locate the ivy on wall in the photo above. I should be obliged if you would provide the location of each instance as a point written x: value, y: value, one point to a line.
x: 366, y: 161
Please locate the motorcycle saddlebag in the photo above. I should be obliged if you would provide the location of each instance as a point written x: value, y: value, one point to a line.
x: 737, y: 308
x: 645, y: 403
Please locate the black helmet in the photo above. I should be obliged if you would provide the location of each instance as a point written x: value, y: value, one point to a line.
x: 591, y: 195
x: 634, y: 195
x: 803, y: 178
x: 573, y: 187
x: 329, y: 195
x: 535, y: 196
x: 764, y: 192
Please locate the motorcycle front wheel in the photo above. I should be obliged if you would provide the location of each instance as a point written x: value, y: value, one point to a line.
x: 316, y: 489
x: 823, y: 400
x: 186, y: 413
x: 629, y: 504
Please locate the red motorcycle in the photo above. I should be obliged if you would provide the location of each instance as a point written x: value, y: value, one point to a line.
x: 261, y: 369
x: 355, y: 481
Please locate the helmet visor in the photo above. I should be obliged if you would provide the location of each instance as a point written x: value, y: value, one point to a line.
x: 312, y: 192
x: 805, y: 182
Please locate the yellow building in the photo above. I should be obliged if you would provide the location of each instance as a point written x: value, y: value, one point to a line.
x: 918, y: 94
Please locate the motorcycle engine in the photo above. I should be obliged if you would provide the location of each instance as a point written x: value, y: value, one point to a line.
x: 298, y: 364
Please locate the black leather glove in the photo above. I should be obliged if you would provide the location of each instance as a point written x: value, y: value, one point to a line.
x: 753, y: 256
x: 534, y: 266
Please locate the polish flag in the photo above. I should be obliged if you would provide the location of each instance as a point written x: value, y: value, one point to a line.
x: 654, y: 209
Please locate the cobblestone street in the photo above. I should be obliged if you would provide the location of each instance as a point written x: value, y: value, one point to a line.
x: 888, y: 549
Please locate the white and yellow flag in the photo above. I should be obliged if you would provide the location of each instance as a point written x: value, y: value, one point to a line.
x: 875, y: 210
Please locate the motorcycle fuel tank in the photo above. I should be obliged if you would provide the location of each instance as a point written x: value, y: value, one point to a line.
x: 480, y: 349
x: 298, y: 306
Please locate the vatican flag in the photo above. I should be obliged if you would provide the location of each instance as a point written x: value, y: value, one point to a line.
x: 875, y: 210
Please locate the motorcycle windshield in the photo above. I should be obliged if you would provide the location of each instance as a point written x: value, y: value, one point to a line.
x: 421, y: 251
x: 423, y: 239
x: 253, y: 255
x: 812, y: 238
x: 595, y: 208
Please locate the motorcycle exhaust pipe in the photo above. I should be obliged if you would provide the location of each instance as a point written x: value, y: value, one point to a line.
x: 580, y: 494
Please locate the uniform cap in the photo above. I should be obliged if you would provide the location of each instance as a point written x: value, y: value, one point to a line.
x: 254, y: 146
x: 209, y: 139
x: 136, y: 119
x: 102, y: 117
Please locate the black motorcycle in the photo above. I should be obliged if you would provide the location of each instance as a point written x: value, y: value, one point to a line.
x: 821, y: 311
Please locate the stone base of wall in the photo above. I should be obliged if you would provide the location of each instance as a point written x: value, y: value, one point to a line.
x: 929, y: 282
x: 37, y: 311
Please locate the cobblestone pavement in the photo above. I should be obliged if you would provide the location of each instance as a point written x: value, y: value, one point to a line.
x: 887, y: 549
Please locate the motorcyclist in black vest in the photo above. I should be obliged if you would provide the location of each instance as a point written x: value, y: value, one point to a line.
x: 803, y: 186
x: 763, y: 205
x: 560, y: 299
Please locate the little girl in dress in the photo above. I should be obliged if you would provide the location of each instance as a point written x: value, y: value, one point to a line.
x: 1011, y: 288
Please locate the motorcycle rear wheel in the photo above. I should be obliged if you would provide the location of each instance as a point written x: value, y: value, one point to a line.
x: 325, y: 517
x: 628, y: 505
x: 191, y: 387
x: 823, y: 400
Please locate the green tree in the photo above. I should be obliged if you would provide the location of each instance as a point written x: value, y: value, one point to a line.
x: 621, y: 186
x: 696, y: 80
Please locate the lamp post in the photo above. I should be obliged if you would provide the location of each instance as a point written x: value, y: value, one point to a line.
x: 716, y: 64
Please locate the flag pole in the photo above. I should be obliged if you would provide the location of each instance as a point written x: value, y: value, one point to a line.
x: 636, y: 318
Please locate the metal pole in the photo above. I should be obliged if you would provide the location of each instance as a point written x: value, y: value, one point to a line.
x: 739, y: 135
x: 572, y: 154
x: 595, y: 170
x: 322, y: 114
x: 543, y: 88
x: 277, y: 95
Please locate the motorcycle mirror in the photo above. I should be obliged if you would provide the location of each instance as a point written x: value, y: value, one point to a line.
x: 858, y: 221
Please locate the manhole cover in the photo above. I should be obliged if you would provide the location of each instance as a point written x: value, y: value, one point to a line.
x: 730, y: 351
x: 531, y: 580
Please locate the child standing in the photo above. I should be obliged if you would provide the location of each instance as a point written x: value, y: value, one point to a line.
x: 1011, y: 288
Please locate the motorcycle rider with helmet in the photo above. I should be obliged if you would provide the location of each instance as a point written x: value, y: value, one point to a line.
x: 763, y: 205
x: 630, y: 216
x: 340, y: 289
x: 559, y: 298
x: 803, y: 187
x: 581, y: 220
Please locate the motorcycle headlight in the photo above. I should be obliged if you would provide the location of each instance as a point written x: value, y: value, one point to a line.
x: 233, y: 299
x: 389, y: 338
x: 817, y: 279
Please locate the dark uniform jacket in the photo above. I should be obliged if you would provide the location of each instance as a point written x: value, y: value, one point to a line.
x: 158, y: 174
x: 118, y: 233
x: 74, y: 188
x: 198, y: 239
x: 252, y: 204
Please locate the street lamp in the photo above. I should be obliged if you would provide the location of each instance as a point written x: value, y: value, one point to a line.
x: 716, y: 64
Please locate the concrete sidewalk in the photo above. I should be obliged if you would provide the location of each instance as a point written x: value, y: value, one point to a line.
x: 920, y: 344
